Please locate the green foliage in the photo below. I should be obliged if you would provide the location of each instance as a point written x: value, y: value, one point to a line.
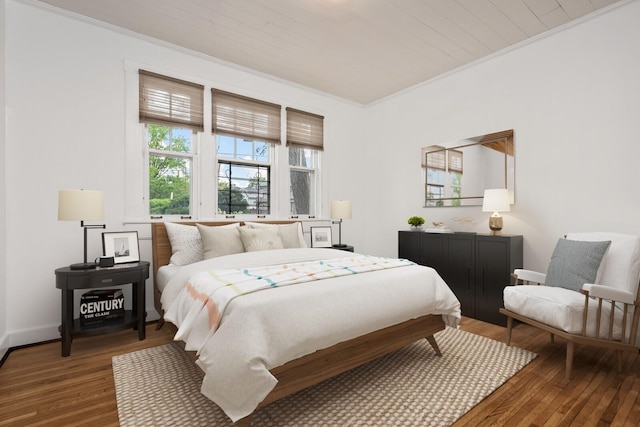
x: 169, y: 177
x: 231, y: 200
x: 415, y: 221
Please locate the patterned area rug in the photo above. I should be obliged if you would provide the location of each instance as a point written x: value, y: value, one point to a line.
x: 160, y: 386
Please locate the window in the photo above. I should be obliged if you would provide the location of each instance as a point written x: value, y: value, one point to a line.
x: 443, y: 170
x: 305, y: 139
x: 240, y: 167
x: 454, y: 166
x: 247, y: 131
x: 302, y: 180
x: 170, y: 166
x: 172, y: 111
x: 244, y: 176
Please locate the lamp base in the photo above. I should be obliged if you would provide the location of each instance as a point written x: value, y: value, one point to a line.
x: 83, y: 266
x: 340, y: 245
x: 495, y: 224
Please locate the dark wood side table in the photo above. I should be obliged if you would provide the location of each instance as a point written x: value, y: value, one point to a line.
x: 344, y: 248
x: 67, y: 280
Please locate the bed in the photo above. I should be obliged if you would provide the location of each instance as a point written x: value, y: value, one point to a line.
x: 334, y: 325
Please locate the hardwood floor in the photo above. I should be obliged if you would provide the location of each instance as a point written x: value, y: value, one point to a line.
x: 40, y: 388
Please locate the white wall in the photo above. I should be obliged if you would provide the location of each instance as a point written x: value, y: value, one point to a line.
x: 66, y: 128
x: 3, y: 162
x: 573, y: 99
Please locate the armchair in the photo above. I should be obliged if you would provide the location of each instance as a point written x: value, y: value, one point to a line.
x: 589, y: 295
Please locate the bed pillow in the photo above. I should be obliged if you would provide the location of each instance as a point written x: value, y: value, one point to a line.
x: 186, y: 244
x: 574, y: 263
x: 260, y: 239
x: 291, y: 234
x: 220, y: 240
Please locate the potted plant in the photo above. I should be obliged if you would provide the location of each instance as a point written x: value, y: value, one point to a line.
x: 416, y: 222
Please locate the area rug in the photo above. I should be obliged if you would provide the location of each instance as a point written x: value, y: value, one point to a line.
x: 160, y: 386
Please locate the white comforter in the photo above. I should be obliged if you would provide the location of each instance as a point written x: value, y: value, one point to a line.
x: 265, y: 329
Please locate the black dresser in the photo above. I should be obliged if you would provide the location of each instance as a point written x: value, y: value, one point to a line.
x: 476, y: 267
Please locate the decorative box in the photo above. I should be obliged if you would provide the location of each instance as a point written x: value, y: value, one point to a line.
x: 101, y: 305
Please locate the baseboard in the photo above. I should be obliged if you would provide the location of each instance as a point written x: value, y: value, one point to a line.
x: 26, y: 337
x: 4, y: 348
x: 36, y: 336
x: 33, y: 336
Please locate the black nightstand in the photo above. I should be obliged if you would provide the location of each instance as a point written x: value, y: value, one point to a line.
x: 344, y: 248
x: 67, y: 280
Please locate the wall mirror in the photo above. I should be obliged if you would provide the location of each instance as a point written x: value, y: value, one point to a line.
x: 458, y: 172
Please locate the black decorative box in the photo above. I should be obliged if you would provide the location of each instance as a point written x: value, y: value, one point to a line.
x: 101, y: 305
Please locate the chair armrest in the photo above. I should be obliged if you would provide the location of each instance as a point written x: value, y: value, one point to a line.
x: 530, y: 276
x: 609, y: 293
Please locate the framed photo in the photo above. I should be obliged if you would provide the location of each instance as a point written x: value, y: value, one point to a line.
x: 321, y: 237
x: 122, y: 246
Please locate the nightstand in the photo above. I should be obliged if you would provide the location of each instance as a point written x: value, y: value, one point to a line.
x: 67, y: 280
x: 344, y: 248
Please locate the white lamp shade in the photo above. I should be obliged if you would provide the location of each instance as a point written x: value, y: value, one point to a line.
x: 496, y: 200
x: 80, y: 205
x: 341, y: 209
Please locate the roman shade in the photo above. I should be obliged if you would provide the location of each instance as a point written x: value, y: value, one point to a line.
x: 172, y: 102
x: 240, y: 116
x: 304, y: 129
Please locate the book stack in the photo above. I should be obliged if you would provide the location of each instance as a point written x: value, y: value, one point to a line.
x: 101, y: 305
x: 438, y: 229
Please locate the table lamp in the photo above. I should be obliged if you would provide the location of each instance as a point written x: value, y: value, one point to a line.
x: 340, y: 209
x: 496, y: 200
x: 81, y: 205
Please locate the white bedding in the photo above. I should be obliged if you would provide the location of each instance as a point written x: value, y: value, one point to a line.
x: 265, y: 329
x: 164, y: 274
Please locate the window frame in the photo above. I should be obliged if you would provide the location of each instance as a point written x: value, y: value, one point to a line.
x: 448, y: 162
x: 204, y: 161
x: 192, y: 156
x: 250, y: 163
x: 316, y: 156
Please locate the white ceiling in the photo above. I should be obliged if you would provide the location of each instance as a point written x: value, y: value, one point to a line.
x: 360, y: 50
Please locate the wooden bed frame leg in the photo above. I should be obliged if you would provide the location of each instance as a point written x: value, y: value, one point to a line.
x: 434, y: 344
x: 243, y: 422
x: 160, y: 323
x: 509, y: 328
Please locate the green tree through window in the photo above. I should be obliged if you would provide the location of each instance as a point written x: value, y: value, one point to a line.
x: 169, y: 170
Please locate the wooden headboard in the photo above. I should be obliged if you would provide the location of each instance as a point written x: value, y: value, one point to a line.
x: 161, y: 250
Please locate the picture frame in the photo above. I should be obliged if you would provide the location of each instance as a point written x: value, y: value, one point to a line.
x: 122, y: 246
x: 321, y: 237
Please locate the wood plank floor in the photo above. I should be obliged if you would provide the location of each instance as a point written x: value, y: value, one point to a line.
x: 40, y: 388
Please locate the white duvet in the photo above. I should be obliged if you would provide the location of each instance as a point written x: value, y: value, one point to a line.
x: 265, y: 329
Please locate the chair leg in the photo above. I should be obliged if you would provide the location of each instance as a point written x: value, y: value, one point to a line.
x: 509, y: 327
x: 569, y: 361
x: 620, y: 357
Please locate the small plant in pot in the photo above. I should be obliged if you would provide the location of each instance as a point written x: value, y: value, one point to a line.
x: 416, y: 222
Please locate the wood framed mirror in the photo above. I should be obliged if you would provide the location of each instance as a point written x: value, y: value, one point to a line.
x: 458, y: 172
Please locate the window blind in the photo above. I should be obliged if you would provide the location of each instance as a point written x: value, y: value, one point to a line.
x: 240, y: 116
x: 436, y: 157
x: 455, y: 161
x: 168, y: 101
x: 305, y: 129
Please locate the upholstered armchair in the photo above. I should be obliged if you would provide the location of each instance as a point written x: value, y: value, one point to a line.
x: 589, y: 295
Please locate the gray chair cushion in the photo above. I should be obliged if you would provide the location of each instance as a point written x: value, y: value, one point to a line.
x: 575, y: 263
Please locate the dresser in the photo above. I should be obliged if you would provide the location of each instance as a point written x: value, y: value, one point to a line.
x: 476, y: 267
